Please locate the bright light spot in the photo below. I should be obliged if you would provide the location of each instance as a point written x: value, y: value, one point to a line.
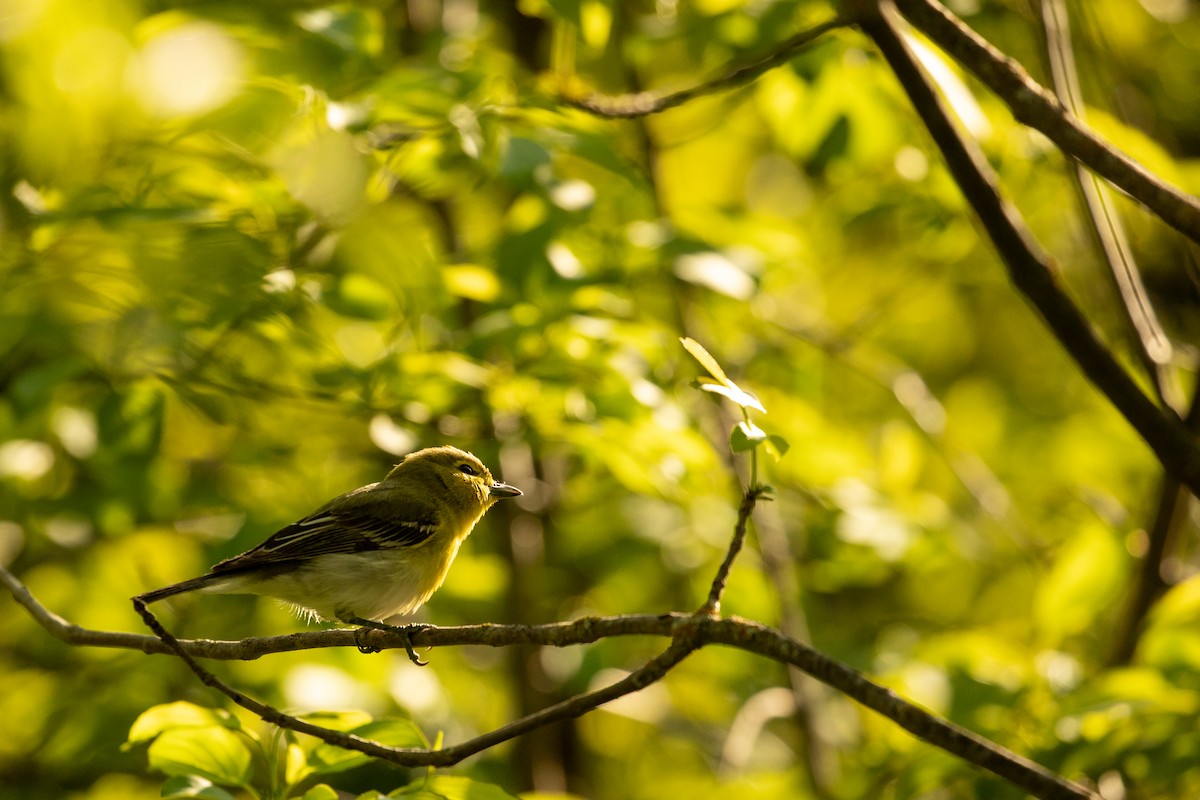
x: 647, y: 393
x: 190, y: 69
x: 929, y: 686
x: 470, y: 134
x: 864, y: 523
x: 76, y: 429
x: 215, y: 527
x: 1061, y: 670
x: 560, y: 663
x: 573, y: 195
x: 69, y: 531
x: 647, y: 234
x: 649, y: 705
x: 914, y: 395
x: 279, y: 281
x: 26, y: 459
x: 390, y: 437
x: 565, y: 263
x: 1167, y: 11
x: 1111, y: 786
x: 313, y: 687
x: 30, y: 196
x: 417, y: 690
x: 342, y: 115
x: 911, y: 164
x: 460, y: 17
x: 717, y: 272
x: 12, y: 539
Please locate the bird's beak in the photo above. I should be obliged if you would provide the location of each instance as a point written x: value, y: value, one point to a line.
x: 503, y: 490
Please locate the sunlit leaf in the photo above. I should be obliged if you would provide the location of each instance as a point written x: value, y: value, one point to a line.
x: 734, y: 393
x: 777, y: 446
x: 153, y: 721
x: 213, y: 752
x: 706, y: 360
x: 326, y: 758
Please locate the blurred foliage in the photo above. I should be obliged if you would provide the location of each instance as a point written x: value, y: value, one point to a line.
x: 251, y: 254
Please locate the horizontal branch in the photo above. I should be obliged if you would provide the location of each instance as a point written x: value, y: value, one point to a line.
x: 688, y: 633
x: 1035, y: 106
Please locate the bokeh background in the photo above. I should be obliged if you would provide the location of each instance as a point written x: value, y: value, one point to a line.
x: 251, y: 254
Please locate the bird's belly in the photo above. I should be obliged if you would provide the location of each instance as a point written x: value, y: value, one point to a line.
x: 340, y: 586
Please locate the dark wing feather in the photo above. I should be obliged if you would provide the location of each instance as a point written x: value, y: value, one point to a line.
x: 370, y: 518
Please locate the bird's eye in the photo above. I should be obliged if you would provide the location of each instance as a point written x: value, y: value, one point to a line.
x: 468, y: 469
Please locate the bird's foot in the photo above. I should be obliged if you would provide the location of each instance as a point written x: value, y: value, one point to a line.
x: 405, y: 632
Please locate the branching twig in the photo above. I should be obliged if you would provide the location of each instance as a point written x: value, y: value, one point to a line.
x: 1036, y: 107
x: 644, y: 103
x: 1028, y: 266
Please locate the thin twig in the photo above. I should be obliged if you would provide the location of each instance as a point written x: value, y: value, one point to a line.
x: 1036, y: 107
x: 1028, y: 266
x: 641, y: 104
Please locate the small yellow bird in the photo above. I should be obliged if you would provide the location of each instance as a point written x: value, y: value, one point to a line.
x: 370, y: 554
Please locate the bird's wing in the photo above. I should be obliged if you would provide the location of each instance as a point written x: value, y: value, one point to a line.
x: 371, y: 518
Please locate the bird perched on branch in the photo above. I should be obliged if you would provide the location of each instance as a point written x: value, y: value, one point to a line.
x: 370, y: 554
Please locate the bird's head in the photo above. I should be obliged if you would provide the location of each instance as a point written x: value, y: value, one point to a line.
x: 458, y: 475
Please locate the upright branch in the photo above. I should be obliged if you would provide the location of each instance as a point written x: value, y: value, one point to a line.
x: 744, y: 437
x: 712, y: 606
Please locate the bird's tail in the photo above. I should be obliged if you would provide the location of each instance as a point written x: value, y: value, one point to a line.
x: 190, y: 585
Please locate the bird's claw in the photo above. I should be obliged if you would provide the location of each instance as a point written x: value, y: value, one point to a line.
x: 405, y: 633
x: 365, y: 649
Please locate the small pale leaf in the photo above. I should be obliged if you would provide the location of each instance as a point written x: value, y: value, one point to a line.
x: 706, y: 360
x: 735, y: 393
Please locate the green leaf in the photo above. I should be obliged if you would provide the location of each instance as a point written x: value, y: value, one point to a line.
x: 723, y: 386
x: 326, y: 758
x: 320, y: 792
x: 777, y: 446
x: 746, y: 436
x: 213, y: 752
x: 165, y: 717
x: 734, y: 393
x: 706, y: 360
